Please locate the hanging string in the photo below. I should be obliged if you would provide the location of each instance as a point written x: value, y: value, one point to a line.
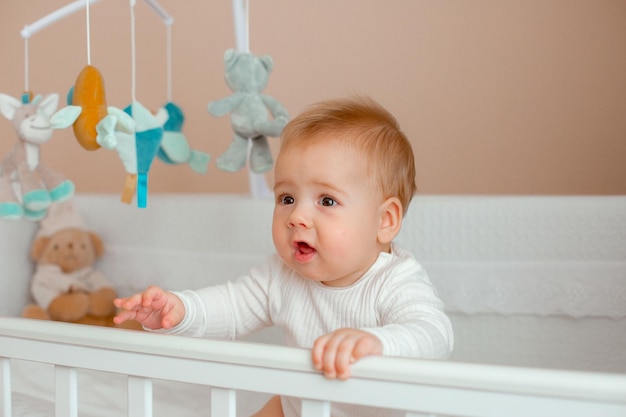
x: 133, y: 50
x: 88, y: 32
x: 169, y: 62
x: 26, y: 75
x: 247, y: 17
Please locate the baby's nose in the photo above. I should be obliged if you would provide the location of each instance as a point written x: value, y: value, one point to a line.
x: 299, y: 218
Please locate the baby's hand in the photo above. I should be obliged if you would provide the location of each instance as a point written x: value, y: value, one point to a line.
x: 154, y: 308
x: 334, y: 352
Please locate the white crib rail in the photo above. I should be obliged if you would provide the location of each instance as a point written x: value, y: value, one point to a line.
x: 418, y: 387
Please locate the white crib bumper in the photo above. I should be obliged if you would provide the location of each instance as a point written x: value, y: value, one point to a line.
x: 574, y: 289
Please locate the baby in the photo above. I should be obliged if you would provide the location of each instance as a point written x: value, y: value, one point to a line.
x: 338, y: 284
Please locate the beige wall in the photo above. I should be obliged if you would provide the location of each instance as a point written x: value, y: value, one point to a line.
x: 501, y: 96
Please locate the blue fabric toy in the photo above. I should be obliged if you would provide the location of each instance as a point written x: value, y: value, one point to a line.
x: 174, y: 146
x: 136, y: 150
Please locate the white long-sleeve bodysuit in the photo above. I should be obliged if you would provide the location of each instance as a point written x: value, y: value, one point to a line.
x: 393, y: 300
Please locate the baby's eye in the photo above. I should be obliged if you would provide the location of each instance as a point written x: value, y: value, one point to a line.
x: 328, y: 201
x: 285, y: 199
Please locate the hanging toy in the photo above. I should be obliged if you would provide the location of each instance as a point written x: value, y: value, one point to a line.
x: 247, y: 76
x: 88, y: 94
x: 136, y: 151
x: 96, y: 120
x: 27, y: 187
x: 257, y: 181
x: 174, y: 147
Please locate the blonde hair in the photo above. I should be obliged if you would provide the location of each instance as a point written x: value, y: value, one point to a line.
x: 366, y: 126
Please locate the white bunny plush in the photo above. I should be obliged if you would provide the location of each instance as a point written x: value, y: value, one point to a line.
x: 27, y: 187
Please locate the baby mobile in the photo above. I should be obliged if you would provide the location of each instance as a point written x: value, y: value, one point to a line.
x: 134, y: 133
x: 27, y: 187
x: 247, y: 76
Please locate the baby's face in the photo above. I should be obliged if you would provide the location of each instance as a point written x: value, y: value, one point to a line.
x: 327, y: 214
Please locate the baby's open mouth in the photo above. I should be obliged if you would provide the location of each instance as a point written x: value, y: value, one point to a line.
x: 304, y: 248
x: 304, y: 251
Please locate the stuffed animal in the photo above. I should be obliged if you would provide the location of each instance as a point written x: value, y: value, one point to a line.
x: 27, y: 187
x: 95, y: 119
x: 136, y: 150
x: 66, y: 286
x: 88, y: 94
x: 174, y: 147
x: 247, y: 76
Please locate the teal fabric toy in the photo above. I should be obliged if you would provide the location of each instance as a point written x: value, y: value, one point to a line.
x: 247, y: 76
x: 174, y: 146
x: 136, y: 150
x: 27, y: 187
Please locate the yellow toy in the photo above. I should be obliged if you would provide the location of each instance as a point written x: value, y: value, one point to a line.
x: 88, y: 93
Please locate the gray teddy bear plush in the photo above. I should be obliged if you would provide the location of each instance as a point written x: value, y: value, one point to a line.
x: 247, y: 76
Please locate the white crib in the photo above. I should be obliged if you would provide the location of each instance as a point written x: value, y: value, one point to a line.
x: 418, y: 387
x: 535, y: 287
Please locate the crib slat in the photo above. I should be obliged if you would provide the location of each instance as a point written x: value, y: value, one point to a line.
x: 5, y: 385
x: 65, y: 391
x: 139, y: 397
x: 223, y: 402
x: 314, y: 408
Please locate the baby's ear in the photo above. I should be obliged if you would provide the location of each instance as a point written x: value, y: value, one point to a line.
x: 390, y: 220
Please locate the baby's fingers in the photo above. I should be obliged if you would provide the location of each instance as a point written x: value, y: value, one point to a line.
x: 128, y: 303
x: 124, y: 316
x: 318, y: 351
x: 153, y: 297
x: 334, y: 353
x: 344, y: 357
x: 325, y: 352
